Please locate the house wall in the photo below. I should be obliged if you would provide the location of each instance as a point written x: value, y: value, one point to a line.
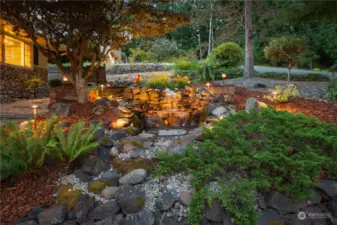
x: 13, y: 77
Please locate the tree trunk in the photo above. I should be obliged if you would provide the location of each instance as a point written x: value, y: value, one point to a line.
x: 210, y: 31
x: 249, y: 57
x: 81, y: 86
x: 200, y: 51
x: 288, y: 78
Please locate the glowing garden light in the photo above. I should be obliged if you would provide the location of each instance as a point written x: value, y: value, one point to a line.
x: 34, y: 113
x: 208, y: 85
x: 65, y: 79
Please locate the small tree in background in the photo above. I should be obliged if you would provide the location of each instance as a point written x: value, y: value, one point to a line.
x: 228, y: 54
x: 287, y: 50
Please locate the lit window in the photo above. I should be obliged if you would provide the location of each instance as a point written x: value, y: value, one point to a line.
x: 17, y: 52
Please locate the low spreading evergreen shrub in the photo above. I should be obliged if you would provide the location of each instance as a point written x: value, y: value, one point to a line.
x: 283, y: 76
x: 266, y: 150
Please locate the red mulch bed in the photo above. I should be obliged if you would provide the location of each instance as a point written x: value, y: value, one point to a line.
x: 324, y: 111
x: 31, y: 190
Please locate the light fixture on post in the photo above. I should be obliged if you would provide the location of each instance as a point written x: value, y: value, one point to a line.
x: 208, y: 85
x: 65, y: 79
x: 34, y: 114
x: 223, y: 76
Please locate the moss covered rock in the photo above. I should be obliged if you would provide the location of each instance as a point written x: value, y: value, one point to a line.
x: 67, y: 196
x: 98, y: 186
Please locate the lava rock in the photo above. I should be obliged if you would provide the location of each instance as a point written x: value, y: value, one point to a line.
x: 83, y: 206
x: 269, y: 215
x: 133, y: 177
x: 252, y: 103
x: 215, y: 212
x: 140, y: 218
x: 104, y: 210
x: 53, y: 215
x: 94, y: 166
x: 82, y: 176
x: 109, y: 192
x: 35, y: 212
x: 130, y: 199
x: 185, y: 197
x: 165, y: 201
x: 111, y: 176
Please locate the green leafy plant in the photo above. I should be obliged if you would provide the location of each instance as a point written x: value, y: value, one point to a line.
x: 332, y: 90
x: 266, y: 150
x: 227, y: 54
x: 25, y: 149
x: 182, y: 64
x: 34, y: 84
x: 160, y: 81
x: 282, y: 93
x: 55, y: 83
x: 138, y: 55
x: 77, y: 142
x: 179, y: 82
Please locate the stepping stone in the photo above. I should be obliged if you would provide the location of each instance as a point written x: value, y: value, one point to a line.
x: 172, y: 132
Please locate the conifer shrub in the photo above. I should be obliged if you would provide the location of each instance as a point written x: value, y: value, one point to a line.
x: 227, y: 54
x: 266, y: 150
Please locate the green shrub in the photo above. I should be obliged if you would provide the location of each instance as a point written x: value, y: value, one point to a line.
x: 55, y: 83
x: 332, y: 90
x: 179, y: 82
x: 34, y: 84
x: 267, y: 150
x: 282, y: 93
x: 227, y: 54
x: 160, y: 81
x: 25, y: 149
x: 138, y: 55
x: 182, y: 64
x: 77, y: 142
x: 283, y: 76
x: 164, y: 50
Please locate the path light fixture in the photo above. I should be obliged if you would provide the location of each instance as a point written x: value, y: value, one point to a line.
x: 208, y: 85
x: 34, y: 114
x: 65, y: 79
x: 102, y: 87
x: 223, y: 76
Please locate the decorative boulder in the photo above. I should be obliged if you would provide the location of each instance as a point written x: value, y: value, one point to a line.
x: 130, y: 199
x: 133, y: 177
x: 83, y: 206
x: 165, y: 201
x: 215, y: 212
x: 110, y: 176
x: 94, y: 166
x: 55, y: 215
x: 109, y: 192
x: 141, y: 218
x: 252, y: 103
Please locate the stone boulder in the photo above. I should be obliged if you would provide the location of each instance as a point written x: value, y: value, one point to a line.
x: 140, y: 218
x: 130, y: 199
x: 110, y: 176
x: 269, y: 215
x: 252, y: 103
x: 111, y: 220
x: 165, y: 201
x: 328, y: 187
x: 214, y: 213
x: 109, y: 192
x: 133, y: 177
x: 104, y: 210
x: 83, y: 206
x: 185, y: 197
x: 59, y: 109
x: 94, y: 166
x: 55, y: 215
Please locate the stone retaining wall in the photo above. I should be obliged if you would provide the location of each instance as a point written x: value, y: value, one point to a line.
x: 136, y: 68
x: 12, y: 82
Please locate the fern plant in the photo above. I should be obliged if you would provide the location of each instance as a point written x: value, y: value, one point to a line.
x: 25, y: 149
x: 76, y: 142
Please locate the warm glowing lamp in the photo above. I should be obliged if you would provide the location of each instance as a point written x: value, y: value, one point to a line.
x: 208, y: 85
x: 223, y: 76
x: 34, y: 113
x: 65, y: 79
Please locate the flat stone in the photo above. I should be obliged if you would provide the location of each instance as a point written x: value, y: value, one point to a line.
x: 104, y: 210
x: 133, y: 177
x: 185, y: 197
x: 146, y: 135
x: 219, y: 111
x: 109, y: 192
x: 130, y: 199
x: 215, y: 212
x: 172, y: 132
x: 165, y: 201
x: 53, y: 215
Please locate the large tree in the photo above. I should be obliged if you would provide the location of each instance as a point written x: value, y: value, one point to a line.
x: 84, y: 29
